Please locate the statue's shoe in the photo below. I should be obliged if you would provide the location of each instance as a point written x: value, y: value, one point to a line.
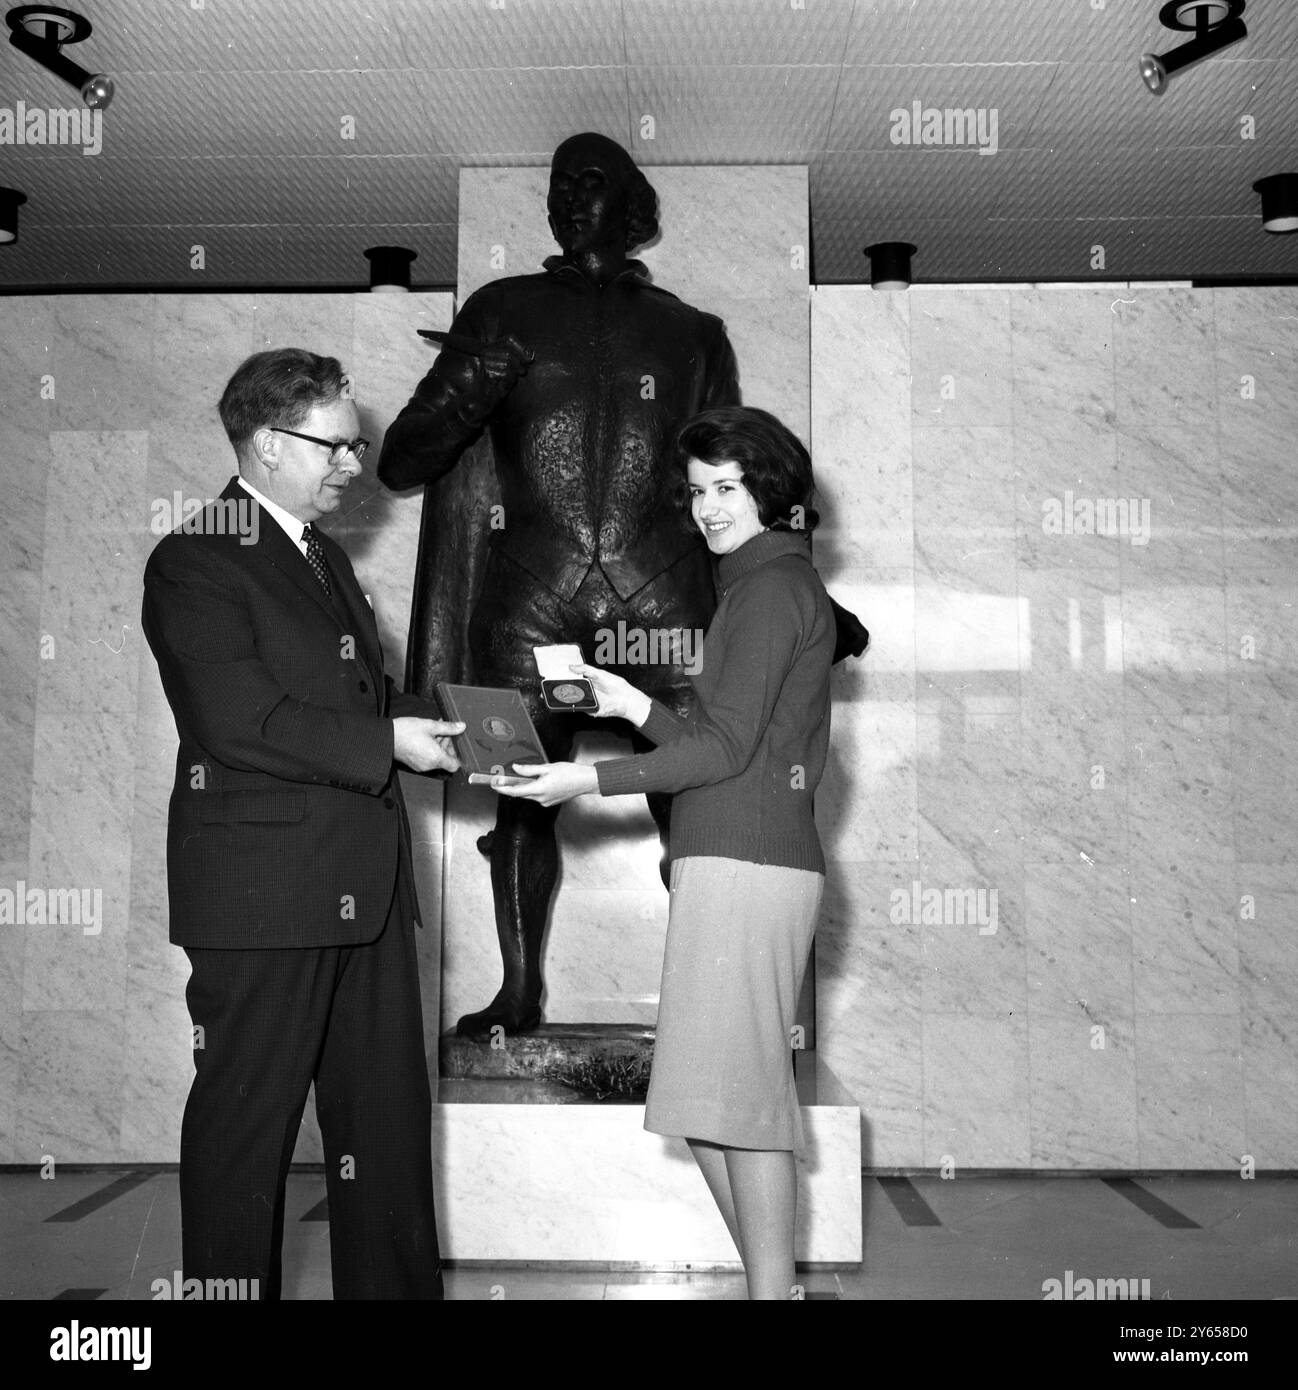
x: 513, y: 1017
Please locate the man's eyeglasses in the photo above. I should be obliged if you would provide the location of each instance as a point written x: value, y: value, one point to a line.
x: 338, y: 448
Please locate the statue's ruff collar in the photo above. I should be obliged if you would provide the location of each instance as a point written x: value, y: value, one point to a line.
x: 633, y: 270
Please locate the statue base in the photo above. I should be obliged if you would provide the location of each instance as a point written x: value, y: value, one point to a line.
x: 529, y: 1171
x: 599, y: 1062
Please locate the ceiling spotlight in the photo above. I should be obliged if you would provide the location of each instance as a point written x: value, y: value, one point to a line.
x: 890, y: 264
x: 1215, y: 24
x: 1279, y: 202
x: 40, y: 31
x: 390, y: 269
x: 10, y: 201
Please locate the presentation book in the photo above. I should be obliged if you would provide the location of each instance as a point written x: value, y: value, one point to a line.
x: 498, y: 731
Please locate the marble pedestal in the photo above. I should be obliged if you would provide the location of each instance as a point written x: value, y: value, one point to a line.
x: 578, y: 1183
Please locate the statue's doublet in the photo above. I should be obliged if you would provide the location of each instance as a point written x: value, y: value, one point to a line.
x: 582, y: 441
x: 580, y: 472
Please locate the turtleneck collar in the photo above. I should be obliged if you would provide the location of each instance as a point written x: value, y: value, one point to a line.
x: 766, y: 545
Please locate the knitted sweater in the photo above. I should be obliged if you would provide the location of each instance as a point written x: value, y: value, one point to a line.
x: 745, y: 765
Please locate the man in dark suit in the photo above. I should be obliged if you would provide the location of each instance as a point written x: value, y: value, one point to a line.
x: 288, y: 855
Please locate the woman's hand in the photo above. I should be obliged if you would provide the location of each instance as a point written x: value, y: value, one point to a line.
x: 618, y: 699
x: 549, y: 784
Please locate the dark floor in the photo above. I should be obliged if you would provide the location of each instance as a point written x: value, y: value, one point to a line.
x: 110, y: 1234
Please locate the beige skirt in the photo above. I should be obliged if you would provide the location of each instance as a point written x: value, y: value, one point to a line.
x: 738, y: 939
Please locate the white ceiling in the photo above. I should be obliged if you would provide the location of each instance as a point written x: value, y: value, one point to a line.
x: 226, y: 131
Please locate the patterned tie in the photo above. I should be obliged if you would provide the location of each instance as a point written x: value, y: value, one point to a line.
x: 315, y: 556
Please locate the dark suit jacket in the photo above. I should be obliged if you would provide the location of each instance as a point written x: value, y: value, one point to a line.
x: 287, y: 824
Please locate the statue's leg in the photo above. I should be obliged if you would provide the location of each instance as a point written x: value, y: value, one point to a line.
x: 513, y: 616
x: 524, y: 868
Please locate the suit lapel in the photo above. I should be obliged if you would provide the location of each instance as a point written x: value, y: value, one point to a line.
x: 278, y: 551
x: 352, y: 601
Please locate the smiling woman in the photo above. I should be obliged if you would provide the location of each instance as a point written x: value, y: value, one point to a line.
x: 721, y: 505
x: 743, y: 473
x: 747, y: 870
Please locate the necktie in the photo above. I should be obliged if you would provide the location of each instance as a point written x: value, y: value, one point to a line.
x: 315, y: 556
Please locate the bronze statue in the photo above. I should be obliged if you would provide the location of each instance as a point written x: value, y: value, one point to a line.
x: 579, y: 375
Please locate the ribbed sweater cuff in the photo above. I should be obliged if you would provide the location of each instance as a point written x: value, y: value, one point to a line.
x: 620, y: 776
x: 662, y: 726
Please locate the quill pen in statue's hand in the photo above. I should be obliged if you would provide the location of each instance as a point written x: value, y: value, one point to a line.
x: 471, y: 347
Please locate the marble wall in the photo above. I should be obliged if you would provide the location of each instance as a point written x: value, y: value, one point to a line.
x: 1059, y: 925
x: 1094, y: 727
x: 109, y: 410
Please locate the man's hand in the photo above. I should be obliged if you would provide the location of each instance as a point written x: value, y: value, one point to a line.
x: 424, y: 745
x: 549, y: 783
x: 618, y: 699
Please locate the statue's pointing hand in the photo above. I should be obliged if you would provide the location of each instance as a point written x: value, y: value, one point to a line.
x: 496, y: 369
x: 506, y: 359
x: 501, y: 363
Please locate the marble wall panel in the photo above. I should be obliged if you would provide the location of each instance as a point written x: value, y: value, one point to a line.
x: 1102, y: 722
x: 868, y: 1005
x: 1189, y: 1091
x: 1083, y: 1095
x: 960, y: 358
x: 976, y: 1091
x: 110, y: 408
x: 1265, y: 907
x: 1100, y: 731
x: 12, y: 943
x: 861, y: 435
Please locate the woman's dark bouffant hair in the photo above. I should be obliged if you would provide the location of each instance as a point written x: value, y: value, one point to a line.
x: 774, y: 462
x: 278, y: 388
